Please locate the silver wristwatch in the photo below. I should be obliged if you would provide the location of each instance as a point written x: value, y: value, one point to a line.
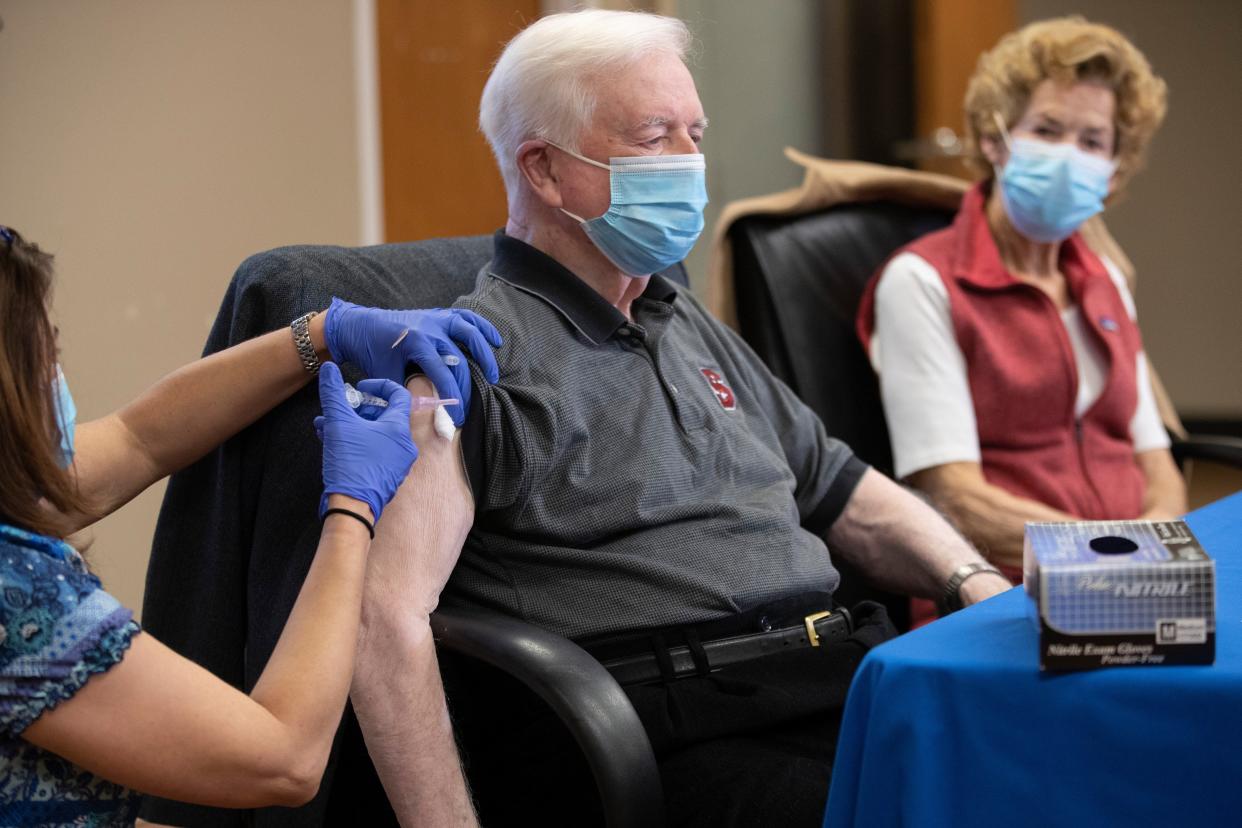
x: 951, y: 597
x: 302, y: 341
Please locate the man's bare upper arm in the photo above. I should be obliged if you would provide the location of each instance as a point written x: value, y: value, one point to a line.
x: 420, y: 535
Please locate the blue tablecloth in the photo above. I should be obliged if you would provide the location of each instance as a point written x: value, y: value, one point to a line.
x: 953, y: 724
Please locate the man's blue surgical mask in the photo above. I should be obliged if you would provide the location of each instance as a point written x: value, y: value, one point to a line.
x: 66, y: 417
x: 1049, y: 190
x: 656, y: 211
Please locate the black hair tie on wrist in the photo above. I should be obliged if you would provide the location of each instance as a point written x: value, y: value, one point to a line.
x: 336, y: 511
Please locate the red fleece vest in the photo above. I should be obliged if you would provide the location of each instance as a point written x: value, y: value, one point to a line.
x: 1023, y: 378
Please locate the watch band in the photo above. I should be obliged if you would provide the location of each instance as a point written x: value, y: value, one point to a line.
x: 951, y: 597
x: 302, y: 341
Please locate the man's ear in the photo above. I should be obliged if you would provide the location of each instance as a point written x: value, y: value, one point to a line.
x: 535, y: 164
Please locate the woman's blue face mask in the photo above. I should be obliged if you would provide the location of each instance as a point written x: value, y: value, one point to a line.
x: 656, y: 210
x: 66, y: 417
x: 1049, y: 190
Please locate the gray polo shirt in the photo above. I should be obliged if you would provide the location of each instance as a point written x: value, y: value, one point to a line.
x: 632, y: 475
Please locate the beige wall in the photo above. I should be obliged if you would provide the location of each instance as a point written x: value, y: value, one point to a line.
x: 1180, y: 219
x: 152, y: 146
x: 759, y: 74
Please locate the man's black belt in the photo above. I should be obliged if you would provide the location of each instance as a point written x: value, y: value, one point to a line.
x: 699, y: 657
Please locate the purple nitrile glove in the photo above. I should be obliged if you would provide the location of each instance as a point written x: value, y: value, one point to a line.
x: 366, y: 337
x: 364, y: 458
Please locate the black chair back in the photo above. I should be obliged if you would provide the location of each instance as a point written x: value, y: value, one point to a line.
x: 798, y: 281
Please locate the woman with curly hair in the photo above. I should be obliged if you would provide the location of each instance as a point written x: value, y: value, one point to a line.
x: 1010, y: 363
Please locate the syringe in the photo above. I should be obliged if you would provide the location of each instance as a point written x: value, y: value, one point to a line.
x: 357, y: 399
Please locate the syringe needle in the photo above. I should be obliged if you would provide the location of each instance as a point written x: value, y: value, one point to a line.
x: 424, y: 403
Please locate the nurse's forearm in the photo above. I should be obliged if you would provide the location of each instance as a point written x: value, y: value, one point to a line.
x: 195, y: 408
x: 186, y: 414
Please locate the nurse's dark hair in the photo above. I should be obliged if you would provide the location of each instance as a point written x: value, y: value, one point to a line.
x: 35, y: 492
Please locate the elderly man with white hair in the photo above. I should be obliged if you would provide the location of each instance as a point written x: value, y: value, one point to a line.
x: 641, y: 483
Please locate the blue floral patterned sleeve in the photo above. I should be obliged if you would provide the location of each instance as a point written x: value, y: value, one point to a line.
x: 57, y: 629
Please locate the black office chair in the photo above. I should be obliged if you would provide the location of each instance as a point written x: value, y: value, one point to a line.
x: 798, y: 282
x: 219, y: 608
x: 1210, y: 448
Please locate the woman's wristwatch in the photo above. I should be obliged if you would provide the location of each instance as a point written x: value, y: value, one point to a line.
x: 302, y: 341
x: 951, y: 597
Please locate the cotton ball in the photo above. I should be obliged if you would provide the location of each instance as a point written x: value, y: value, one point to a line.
x: 443, y: 423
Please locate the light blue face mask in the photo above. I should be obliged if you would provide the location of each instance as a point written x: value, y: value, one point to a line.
x: 66, y: 418
x: 656, y: 211
x: 1049, y: 190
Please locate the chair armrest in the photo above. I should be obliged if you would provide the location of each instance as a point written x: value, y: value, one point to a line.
x: 1216, y: 449
x: 583, y: 695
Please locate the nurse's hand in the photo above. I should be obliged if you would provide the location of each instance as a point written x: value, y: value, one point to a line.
x: 384, y: 342
x: 363, y: 458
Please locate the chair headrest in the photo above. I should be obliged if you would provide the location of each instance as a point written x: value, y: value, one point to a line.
x: 287, y: 281
x: 426, y: 273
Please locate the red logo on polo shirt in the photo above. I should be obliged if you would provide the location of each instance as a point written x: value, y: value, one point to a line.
x: 724, y: 394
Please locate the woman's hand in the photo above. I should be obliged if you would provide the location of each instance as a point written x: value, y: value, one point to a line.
x: 383, y: 342
x: 363, y: 458
x: 990, y: 517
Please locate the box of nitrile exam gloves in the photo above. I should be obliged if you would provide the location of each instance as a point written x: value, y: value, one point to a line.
x: 1120, y: 593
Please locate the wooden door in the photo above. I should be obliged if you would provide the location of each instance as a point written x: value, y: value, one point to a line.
x: 949, y: 36
x: 434, y: 56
